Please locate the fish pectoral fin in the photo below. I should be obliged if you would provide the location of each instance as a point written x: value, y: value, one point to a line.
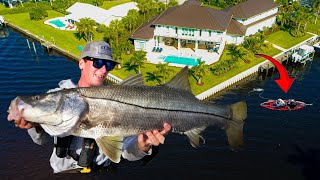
x: 239, y: 111
x: 234, y: 128
x: 194, y: 136
x: 111, y: 146
x: 234, y: 132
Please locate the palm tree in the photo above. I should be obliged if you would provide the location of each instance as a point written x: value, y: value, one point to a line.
x: 129, y: 67
x: 114, y: 31
x: 316, y: 9
x: 164, y: 70
x: 85, y: 28
x: 307, y: 19
x: 153, y: 77
x: 145, y: 7
x: 131, y: 20
x: 235, y: 52
x: 200, y: 70
x: 117, y: 55
x: 250, y: 44
x: 127, y: 46
x: 138, y: 59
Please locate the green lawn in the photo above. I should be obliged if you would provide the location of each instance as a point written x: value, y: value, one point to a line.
x: 212, y: 6
x: 63, y: 39
x: 109, y: 4
x: 314, y: 28
x: 211, y: 80
x: 285, y: 40
x: 2, y: 7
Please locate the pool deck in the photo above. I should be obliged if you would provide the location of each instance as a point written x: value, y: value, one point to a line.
x: 67, y: 27
x: 155, y: 57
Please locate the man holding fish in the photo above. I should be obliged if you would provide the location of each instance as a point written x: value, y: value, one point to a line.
x: 124, y: 120
x: 73, y: 152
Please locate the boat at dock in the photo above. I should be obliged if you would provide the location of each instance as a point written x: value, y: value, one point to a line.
x: 302, y: 54
x: 317, y: 47
x: 3, y: 30
x: 1, y: 20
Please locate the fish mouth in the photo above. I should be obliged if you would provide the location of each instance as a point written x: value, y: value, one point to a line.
x: 17, y: 110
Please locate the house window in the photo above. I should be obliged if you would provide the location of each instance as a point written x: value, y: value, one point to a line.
x: 141, y: 45
x: 209, y: 33
x: 176, y: 30
x: 200, y: 33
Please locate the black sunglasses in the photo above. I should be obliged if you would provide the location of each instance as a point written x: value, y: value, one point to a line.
x: 98, y: 63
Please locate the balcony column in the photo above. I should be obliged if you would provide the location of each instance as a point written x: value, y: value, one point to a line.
x: 196, y: 46
x: 179, y: 43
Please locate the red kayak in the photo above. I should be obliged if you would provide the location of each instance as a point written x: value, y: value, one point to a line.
x: 271, y: 104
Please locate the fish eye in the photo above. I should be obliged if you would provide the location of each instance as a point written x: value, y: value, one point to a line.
x: 36, y: 97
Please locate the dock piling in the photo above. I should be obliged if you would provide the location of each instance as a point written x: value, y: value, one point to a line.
x: 28, y: 44
x: 34, y: 48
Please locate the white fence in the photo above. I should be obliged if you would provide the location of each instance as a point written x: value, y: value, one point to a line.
x: 114, y: 79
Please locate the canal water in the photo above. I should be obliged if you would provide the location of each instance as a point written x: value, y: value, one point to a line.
x: 277, y: 144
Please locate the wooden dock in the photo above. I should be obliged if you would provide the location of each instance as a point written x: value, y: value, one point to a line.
x: 46, y: 44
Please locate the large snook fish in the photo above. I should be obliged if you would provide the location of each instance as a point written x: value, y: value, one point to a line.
x: 109, y: 113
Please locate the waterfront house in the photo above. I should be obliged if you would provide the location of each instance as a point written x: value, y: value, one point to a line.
x: 195, y: 31
x: 82, y: 10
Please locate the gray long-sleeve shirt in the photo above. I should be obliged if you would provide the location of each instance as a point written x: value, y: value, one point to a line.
x: 130, y: 149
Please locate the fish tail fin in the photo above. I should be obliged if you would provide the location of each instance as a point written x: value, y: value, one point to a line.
x: 234, y: 128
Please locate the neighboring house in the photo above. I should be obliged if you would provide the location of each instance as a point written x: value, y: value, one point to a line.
x: 203, y: 29
x: 101, y: 16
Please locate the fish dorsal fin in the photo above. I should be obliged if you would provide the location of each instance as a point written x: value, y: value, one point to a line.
x: 181, y: 80
x: 194, y: 136
x: 136, y: 80
x: 111, y: 146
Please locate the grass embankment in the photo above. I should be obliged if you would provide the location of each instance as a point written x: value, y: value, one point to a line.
x: 63, y: 39
x: 2, y: 7
x: 109, y: 4
x: 211, y: 80
x: 285, y: 40
x: 314, y: 28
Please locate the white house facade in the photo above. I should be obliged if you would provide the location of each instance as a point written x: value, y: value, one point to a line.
x: 101, y: 16
x: 195, y: 31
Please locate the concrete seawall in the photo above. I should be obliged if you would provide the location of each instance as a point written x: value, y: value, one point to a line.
x: 50, y: 45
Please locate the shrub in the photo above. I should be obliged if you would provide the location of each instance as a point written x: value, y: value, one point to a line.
x: 297, y: 33
x: 37, y: 13
x: 101, y: 28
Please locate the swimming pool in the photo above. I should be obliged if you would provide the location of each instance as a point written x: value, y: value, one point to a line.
x: 181, y: 60
x: 57, y: 23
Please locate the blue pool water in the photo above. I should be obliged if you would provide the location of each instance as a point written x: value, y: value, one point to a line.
x: 58, y: 23
x: 181, y: 60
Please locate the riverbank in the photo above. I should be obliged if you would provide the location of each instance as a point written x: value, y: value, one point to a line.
x: 213, y: 84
